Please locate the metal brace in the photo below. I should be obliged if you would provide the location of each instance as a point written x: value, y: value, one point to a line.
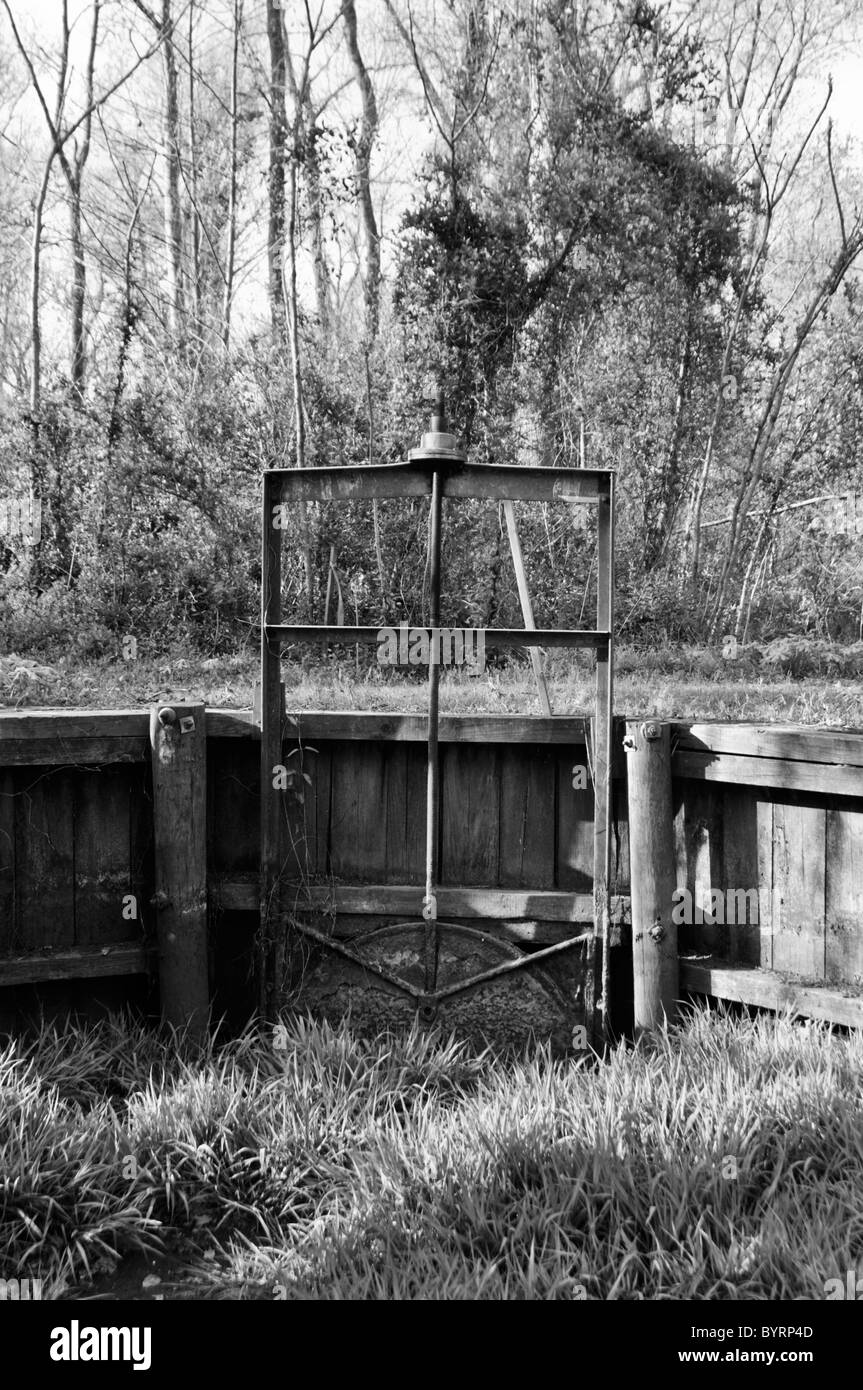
x: 429, y: 999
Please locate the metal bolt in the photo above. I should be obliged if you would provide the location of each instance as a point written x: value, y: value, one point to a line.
x: 167, y: 716
x: 629, y: 741
x: 651, y: 731
x: 657, y: 932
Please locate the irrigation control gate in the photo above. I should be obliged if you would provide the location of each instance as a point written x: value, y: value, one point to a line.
x: 424, y: 963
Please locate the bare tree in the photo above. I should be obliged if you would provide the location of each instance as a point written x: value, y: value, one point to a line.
x: 164, y: 24
x: 363, y: 142
x: 193, y: 172
x: 762, y: 55
x: 762, y: 443
x: 73, y: 170
x: 278, y: 144
x: 231, y: 228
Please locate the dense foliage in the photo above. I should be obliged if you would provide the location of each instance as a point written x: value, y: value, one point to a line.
x: 601, y: 255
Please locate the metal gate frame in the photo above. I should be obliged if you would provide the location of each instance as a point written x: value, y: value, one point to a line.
x: 436, y: 477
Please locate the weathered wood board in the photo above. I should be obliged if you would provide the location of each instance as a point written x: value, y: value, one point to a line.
x: 772, y: 811
x: 844, y: 894
x: 44, y: 860
x: 799, y: 841
x: 103, y: 869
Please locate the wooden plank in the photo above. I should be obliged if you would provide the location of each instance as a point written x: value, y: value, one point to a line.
x: 799, y: 840
x: 103, y: 871
x: 470, y: 813
x: 238, y: 893
x: 844, y: 895
x: 739, y: 823
x: 179, y: 762
x: 319, y: 810
x: 405, y: 779
x: 699, y: 849
x: 124, y: 734
x: 141, y: 846
x: 575, y: 809
x: 8, y: 804
x: 232, y: 723
x: 299, y: 811
x: 358, y: 817
x: 233, y: 789
x: 42, y: 733
x: 398, y: 867
x: 64, y: 751
x: 473, y: 728
x: 789, y: 742
x: 44, y: 862
x: 748, y: 985
x: 621, y: 873
x: 834, y: 779
x: 74, y: 965
x: 483, y: 481
x: 527, y: 829
x: 72, y: 724
x: 767, y: 924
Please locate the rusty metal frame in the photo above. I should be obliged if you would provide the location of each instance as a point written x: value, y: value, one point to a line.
x: 437, y: 478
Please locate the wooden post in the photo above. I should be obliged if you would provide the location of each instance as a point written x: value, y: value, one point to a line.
x: 178, y: 747
x: 651, y: 849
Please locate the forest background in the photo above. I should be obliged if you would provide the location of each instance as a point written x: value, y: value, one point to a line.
x: 251, y: 233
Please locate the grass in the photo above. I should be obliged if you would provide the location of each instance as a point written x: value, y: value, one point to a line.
x: 412, y: 1168
x: 669, y: 683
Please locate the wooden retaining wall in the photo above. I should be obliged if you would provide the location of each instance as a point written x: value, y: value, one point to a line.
x: 778, y: 811
x: 774, y: 810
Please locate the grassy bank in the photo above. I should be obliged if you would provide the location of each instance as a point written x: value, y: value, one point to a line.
x: 723, y: 1161
x: 692, y: 683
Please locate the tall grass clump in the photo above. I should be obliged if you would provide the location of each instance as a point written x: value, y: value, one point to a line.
x: 722, y: 1159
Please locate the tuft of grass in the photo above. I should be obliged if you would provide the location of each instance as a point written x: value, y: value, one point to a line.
x: 722, y: 1159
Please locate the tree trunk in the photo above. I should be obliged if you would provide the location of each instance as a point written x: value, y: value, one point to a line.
x: 173, y: 210
x: 276, y: 172
x: 292, y: 307
x: 370, y: 254
x: 315, y: 202
x: 35, y: 291
x: 232, y: 182
x: 193, y: 178
x: 842, y: 262
x: 79, y: 291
